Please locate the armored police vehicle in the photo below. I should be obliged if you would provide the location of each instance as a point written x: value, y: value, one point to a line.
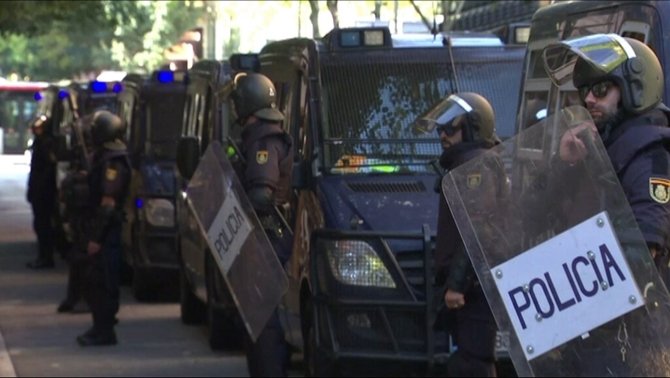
x: 207, y: 117
x: 364, y: 212
x: 152, y: 108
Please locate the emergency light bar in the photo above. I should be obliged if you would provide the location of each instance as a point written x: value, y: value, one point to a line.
x: 63, y: 94
x: 347, y: 38
x: 38, y: 96
x: 104, y: 86
x: 165, y: 76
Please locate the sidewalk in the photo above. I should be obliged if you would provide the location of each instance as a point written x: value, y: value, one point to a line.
x: 15, y: 208
x: 6, y: 366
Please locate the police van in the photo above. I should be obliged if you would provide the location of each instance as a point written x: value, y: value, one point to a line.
x: 152, y: 108
x: 364, y: 212
x: 207, y: 117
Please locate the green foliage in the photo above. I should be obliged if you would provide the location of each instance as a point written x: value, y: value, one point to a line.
x: 54, y: 40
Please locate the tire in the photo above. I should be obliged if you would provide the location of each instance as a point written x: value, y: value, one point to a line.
x: 226, y: 331
x: 192, y: 309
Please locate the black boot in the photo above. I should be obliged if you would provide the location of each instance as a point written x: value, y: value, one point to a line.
x: 93, y: 337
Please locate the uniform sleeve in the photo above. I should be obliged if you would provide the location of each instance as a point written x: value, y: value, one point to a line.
x: 263, y: 158
x: 646, y: 182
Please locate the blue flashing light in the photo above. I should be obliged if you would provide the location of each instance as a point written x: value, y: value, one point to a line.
x: 38, y: 96
x: 165, y: 76
x: 117, y: 87
x: 139, y: 203
x: 63, y: 94
x: 98, y: 86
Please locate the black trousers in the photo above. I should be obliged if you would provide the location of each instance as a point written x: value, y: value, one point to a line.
x: 269, y: 355
x: 474, y: 333
x: 42, y: 216
x: 102, y: 278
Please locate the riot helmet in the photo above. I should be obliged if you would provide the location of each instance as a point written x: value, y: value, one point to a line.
x: 469, y: 111
x: 107, y: 130
x: 627, y: 62
x: 254, y: 94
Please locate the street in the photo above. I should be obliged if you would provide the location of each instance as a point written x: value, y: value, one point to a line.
x: 38, y: 341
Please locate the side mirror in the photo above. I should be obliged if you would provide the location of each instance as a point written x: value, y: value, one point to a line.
x: 188, y: 156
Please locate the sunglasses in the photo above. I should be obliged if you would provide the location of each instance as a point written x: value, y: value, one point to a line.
x: 450, y: 128
x: 599, y: 89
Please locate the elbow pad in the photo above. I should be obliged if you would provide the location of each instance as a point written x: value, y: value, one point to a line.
x: 261, y: 198
x: 103, y: 219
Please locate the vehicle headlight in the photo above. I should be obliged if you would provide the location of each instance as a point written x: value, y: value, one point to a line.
x: 159, y: 212
x: 354, y: 262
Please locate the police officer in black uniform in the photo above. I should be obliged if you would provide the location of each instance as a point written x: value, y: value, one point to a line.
x: 42, y: 191
x: 465, y: 123
x: 624, y: 101
x: 265, y: 172
x: 74, y: 193
x: 620, y: 82
x: 108, y: 180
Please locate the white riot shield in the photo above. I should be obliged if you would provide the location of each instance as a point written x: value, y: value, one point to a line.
x: 560, y: 257
x: 243, y: 253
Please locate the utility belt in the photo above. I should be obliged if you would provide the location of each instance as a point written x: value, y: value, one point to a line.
x: 272, y: 226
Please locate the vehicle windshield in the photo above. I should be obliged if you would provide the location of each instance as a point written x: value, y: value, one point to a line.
x: 164, y: 115
x: 370, y: 108
x: 371, y: 102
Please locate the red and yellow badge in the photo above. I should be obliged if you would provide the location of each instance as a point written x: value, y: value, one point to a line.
x: 474, y: 180
x: 262, y: 157
x: 110, y: 174
x: 659, y: 189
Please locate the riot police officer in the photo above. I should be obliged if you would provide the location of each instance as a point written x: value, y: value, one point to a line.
x: 42, y: 191
x: 465, y: 123
x: 623, y: 96
x: 108, y: 181
x: 74, y: 194
x: 266, y: 175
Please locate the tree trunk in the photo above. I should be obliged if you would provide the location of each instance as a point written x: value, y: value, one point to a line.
x: 332, y: 7
x: 314, y: 18
x: 378, y: 10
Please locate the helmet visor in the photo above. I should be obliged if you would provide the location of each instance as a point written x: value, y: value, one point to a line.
x: 443, y: 116
x: 604, y: 52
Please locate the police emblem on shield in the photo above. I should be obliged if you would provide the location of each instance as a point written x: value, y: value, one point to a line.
x: 474, y: 180
x: 659, y: 189
x: 262, y: 157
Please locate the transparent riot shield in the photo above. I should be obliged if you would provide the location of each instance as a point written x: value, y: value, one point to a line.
x: 559, y: 255
x: 243, y: 253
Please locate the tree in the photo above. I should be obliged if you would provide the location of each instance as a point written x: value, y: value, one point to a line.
x: 332, y: 7
x: 314, y: 18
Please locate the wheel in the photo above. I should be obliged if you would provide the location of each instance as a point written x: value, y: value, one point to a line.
x: 225, y: 327
x: 192, y: 309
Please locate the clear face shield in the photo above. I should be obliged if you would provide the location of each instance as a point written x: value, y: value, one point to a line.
x: 448, y: 116
x: 604, y: 52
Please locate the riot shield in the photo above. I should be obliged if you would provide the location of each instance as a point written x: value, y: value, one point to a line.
x: 243, y: 253
x: 559, y: 255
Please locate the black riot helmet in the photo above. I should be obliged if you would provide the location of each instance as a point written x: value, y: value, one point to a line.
x: 107, y: 130
x: 469, y: 111
x: 627, y: 62
x: 254, y: 94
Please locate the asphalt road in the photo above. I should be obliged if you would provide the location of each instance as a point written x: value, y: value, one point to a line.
x: 37, y: 341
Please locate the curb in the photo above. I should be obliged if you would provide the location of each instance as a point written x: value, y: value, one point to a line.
x: 6, y: 366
